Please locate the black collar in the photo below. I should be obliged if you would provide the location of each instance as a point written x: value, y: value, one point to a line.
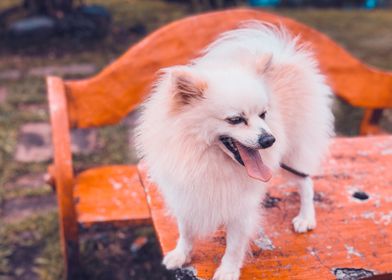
x: 292, y: 170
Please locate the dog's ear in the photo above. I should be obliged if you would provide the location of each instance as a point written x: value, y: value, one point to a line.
x: 264, y: 63
x: 186, y: 86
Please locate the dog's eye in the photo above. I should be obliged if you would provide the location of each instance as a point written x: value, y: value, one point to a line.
x: 262, y: 115
x: 236, y: 120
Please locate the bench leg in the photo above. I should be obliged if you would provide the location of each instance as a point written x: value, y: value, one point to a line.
x: 370, y: 122
x: 70, y: 248
x: 69, y: 234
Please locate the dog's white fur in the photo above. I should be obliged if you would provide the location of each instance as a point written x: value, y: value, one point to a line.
x: 254, y: 68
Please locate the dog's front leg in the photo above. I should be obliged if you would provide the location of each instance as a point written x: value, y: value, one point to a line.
x: 306, y: 219
x: 181, y: 254
x: 237, y: 239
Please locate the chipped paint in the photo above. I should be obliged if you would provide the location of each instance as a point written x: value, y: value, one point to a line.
x: 378, y: 218
x: 134, y: 194
x: 353, y: 188
x: 351, y: 273
x: 116, y: 185
x: 285, y: 185
x: 286, y: 267
x: 369, y: 215
x: 388, y: 199
x: 312, y: 251
x: 186, y: 273
x: 191, y: 269
x: 385, y: 218
x: 351, y: 251
x: 363, y: 153
x: 117, y: 202
x: 271, y: 201
x: 263, y: 242
x: 386, y: 152
x: 148, y: 197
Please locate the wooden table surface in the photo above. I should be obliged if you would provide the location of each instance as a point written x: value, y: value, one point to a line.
x: 353, y: 236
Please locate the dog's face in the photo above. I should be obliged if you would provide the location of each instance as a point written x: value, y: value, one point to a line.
x: 230, y: 109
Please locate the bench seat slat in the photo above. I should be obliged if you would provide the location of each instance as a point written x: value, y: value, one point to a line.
x: 351, y: 233
x: 110, y: 194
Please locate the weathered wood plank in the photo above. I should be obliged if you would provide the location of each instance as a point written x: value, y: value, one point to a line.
x: 111, y: 194
x: 351, y: 233
x: 109, y: 96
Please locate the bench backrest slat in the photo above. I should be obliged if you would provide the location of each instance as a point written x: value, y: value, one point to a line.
x: 119, y: 88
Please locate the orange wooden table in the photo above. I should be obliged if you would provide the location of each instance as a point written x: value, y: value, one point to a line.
x: 353, y: 236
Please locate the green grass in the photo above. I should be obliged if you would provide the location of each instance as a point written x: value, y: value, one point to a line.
x: 366, y: 34
x: 113, y: 142
x: 152, y: 13
x: 26, y: 91
x: 28, y: 192
x: 33, y: 239
x: 12, y: 116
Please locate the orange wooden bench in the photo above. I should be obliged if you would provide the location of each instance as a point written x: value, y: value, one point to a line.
x: 351, y: 234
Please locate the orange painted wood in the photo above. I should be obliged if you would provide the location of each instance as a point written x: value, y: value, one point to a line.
x: 63, y: 174
x: 350, y: 234
x: 110, y: 95
x: 111, y: 194
x: 370, y: 123
x: 107, y: 97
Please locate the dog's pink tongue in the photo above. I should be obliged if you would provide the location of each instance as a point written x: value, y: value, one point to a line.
x: 254, y: 164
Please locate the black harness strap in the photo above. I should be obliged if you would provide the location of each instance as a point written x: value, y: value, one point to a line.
x: 292, y: 170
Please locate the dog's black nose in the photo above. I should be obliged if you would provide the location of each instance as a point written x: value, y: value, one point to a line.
x: 266, y: 140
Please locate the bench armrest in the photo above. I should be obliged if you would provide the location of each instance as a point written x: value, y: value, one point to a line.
x: 370, y: 124
x: 62, y: 170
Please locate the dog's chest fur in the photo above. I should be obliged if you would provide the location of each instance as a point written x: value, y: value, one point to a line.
x: 213, y: 193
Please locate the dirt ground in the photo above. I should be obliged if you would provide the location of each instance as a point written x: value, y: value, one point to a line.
x: 29, y: 245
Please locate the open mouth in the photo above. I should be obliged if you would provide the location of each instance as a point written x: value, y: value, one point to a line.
x: 248, y: 157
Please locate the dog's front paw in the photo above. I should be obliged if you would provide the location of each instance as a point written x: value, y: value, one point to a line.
x: 303, y: 224
x: 223, y: 273
x: 175, y: 259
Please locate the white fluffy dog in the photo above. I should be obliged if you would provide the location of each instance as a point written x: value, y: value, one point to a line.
x: 214, y: 131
